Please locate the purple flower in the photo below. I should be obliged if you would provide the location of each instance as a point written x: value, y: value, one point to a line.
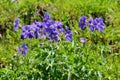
x: 49, y: 22
x: 26, y: 28
x: 40, y: 30
x: 91, y: 24
x: 52, y: 33
x: 83, y: 40
x: 82, y: 22
x: 23, y: 49
x: 28, y: 31
x: 47, y: 29
x: 99, y: 24
x: 68, y: 34
x: 25, y: 32
x: 38, y: 24
x: 59, y: 26
x: 53, y: 36
x: 16, y: 24
x: 46, y: 17
x: 23, y: 35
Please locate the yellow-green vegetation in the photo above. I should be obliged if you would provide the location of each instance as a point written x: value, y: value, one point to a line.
x: 96, y: 59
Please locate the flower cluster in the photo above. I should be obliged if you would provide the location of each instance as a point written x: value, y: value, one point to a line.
x: 48, y: 29
x: 53, y: 30
x: 94, y: 24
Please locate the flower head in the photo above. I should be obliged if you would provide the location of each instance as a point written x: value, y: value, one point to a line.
x: 38, y: 24
x: 91, y: 24
x: 28, y: 31
x: 83, y: 40
x: 16, y: 24
x: 46, y: 17
x: 53, y: 35
x: 68, y: 34
x: 59, y: 26
x: 82, y: 22
x: 99, y: 24
x: 25, y: 31
x: 23, y: 49
x: 40, y: 30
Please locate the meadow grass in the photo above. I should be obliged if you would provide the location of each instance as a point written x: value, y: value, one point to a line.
x: 96, y: 59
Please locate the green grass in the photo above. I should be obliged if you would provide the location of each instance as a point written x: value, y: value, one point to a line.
x: 97, y: 59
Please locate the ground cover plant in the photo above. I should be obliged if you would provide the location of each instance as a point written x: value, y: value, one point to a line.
x: 59, y: 40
